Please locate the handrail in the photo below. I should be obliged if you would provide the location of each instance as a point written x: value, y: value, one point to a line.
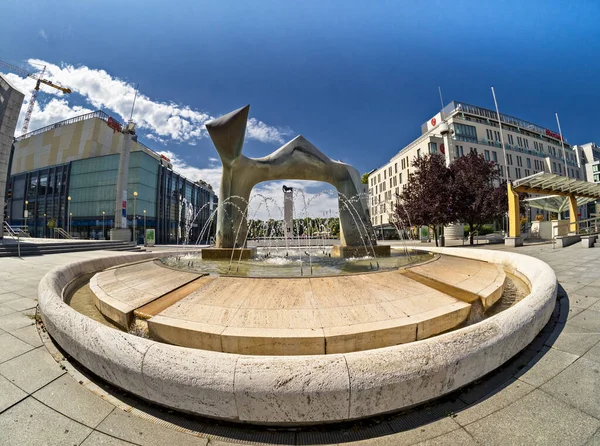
x: 8, y: 228
x: 62, y: 232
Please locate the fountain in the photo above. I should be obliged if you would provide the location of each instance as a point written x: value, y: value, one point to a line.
x: 284, y: 330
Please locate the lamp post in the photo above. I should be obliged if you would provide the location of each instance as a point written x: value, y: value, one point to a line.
x: 135, y: 194
x: 103, y: 224
x: 69, y: 216
x: 144, y: 227
x: 44, y: 228
x: 26, y: 215
x: 70, y: 220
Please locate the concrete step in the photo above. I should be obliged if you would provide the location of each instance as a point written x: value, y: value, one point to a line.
x: 30, y: 249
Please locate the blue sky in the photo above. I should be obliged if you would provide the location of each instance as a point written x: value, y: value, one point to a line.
x: 355, y: 78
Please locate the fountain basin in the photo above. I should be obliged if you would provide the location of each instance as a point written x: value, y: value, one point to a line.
x: 291, y: 390
x: 297, y: 315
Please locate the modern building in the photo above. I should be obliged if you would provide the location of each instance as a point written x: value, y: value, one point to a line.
x: 460, y: 128
x: 67, y: 173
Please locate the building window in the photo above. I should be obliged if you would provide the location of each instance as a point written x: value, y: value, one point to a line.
x: 432, y: 147
x: 400, y: 178
x: 509, y: 157
x: 529, y: 163
x: 518, y: 173
x: 526, y: 141
x: 494, y: 156
x: 384, y: 174
x: 486, y: 154
x: 418, y: 153
x: 395, y: 167
x: 464, y: 132
x: 390, y: 171
x: 519, y: 161
x: 553, y: 166
x: 511, y: 141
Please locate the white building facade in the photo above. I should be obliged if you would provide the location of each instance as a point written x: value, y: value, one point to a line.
x: 460, y: 128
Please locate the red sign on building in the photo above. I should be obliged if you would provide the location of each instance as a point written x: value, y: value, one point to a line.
x: 553, y: 134
x: 433, y: 121
x: 113, y: 124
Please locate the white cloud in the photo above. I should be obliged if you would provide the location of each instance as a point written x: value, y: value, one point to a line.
x: 312, y: 198
x: 43, y: 34
x: 213, y: 160
x: 163, y: 121
x: 50, y: 112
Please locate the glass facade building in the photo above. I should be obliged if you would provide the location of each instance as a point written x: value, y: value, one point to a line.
x: 179, y: 209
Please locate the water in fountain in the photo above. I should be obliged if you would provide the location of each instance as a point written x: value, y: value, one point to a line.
x: 278, y: 255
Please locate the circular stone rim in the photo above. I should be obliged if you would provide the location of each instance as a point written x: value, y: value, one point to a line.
x: 297, y: 390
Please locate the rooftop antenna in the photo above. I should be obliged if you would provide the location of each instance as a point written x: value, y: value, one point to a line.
x: 562, y: 141
x: 133, y: 105
x: 441, y: 99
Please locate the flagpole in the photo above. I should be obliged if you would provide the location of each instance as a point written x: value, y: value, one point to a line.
x: 501, y: 134
x: 562, y: 141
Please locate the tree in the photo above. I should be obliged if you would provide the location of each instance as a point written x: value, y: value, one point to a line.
x: 51, y: 224
x: 479, y: 196
x: 427, y: 197
x: 365, y: 178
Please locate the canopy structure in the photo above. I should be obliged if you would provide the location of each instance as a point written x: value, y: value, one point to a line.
x: 562, y: 193
x: 555, y: 203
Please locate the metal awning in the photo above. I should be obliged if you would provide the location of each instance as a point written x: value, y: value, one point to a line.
x: 551, y: 184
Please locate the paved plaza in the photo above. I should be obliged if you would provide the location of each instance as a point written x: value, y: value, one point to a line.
x: 548, y: 394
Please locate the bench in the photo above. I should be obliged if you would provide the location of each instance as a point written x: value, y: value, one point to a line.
x: 587, y: 241
x: 562, y: 241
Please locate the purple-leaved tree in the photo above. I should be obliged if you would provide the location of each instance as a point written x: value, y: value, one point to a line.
x: 479, y: 195
x: 427, y: 198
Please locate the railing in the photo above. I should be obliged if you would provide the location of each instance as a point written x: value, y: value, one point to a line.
x: 97, y: 114
x: 9, y: 230
x: 16, y: 230
x: 456, y: 106
x: 62, y: 233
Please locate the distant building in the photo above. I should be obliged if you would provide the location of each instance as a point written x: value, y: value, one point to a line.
x: 459, y: 128
x: 79, y: 158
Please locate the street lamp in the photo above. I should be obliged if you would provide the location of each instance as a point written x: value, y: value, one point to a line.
x: 135, y: 194
x: 26, y: 215
x: 103, y: 224
x: 70, y: 220
x: 69, y: 217
x: 144, y: 227
x: 44, y: 228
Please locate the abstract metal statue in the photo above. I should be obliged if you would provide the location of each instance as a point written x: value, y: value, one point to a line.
x: 295, y: 160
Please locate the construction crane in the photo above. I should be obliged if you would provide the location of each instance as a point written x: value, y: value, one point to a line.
x: 39, y: 80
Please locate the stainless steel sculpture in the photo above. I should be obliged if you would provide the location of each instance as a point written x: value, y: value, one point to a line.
x: 295, y: 160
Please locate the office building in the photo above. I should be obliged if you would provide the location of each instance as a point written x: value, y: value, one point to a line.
x: 67, y: 173
x: 460, y: 128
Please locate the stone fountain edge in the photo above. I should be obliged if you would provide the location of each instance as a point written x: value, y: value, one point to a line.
x: 296, y: 390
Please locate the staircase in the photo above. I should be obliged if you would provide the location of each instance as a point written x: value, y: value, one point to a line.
x: 9, y: 247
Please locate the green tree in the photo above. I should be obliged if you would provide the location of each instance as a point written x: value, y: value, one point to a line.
x: 365, y: 178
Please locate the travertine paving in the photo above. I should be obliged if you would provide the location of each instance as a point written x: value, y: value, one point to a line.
x: 300, y: 316
x: 120, y: 291
x: 307, y: 315
x: 465, y: 279
x: 546, y: 395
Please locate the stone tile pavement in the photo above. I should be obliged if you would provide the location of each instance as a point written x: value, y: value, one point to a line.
x: 548, y: 394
